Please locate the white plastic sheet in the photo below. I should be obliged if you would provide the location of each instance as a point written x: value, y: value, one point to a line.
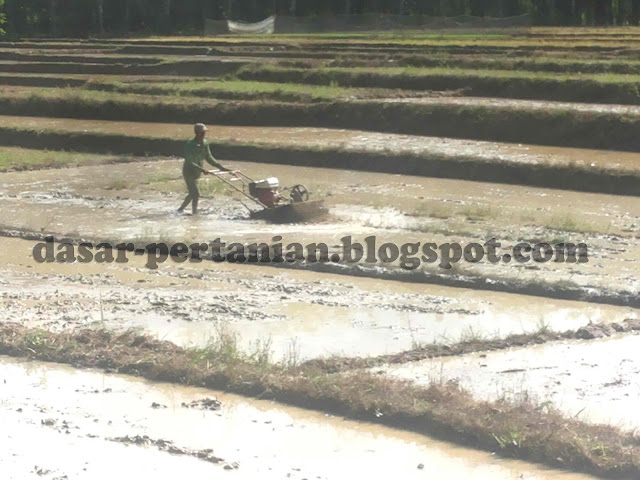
x: 266, y: 26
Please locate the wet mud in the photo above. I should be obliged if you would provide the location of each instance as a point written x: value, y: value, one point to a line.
x: 294, y: 315
x: 304, y: 314
x: 631, y: 110
x: 136, y: 202
x: 595, y: 381
x: 109, y: 424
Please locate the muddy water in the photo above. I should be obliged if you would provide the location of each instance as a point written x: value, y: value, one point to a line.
x: 137, y: 202
x: 347, y: 140
x: 526, y: 104
x: 50, y: 411
x: 598, y: 381
x: 295, y: 315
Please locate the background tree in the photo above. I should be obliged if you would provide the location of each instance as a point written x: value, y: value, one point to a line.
x: 99, y: 15
x: 3, y: 18
x: 634, y: 13
x: 82, y: 18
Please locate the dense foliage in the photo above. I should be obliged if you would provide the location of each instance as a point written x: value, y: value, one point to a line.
x: 3, y: 18
x: 85, y: 17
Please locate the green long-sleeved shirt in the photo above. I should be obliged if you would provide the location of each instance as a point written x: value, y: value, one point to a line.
x: 194, y: 155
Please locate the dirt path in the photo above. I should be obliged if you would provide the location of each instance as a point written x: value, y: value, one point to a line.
x: 117, y: 426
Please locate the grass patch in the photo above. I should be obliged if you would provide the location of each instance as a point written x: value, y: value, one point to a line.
x: 569, y: 223
x: 431, y: 209
x: 12, y: 158
x: 445, y: 211
x: 161, y: 177
x: 233, y: 89
x: 557, y: 224
x: 212, y: 187
x: 593, y: 88
x: 410, y: 71
x: 566, y: 127
x: 500, y: 38
x: 120, y: 183
x: 485, y: 62
x: 441, y: 410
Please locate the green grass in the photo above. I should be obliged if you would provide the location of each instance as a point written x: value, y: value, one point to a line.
x: 120, y: 183
x: 170, y: 94
x: 301, y: 85
x: 559, y: 222
x: 569, y: 223
x: 238, y: 89
x: 398, y: 37
x: 569, y: 65
x: 161, y: 177
x: 21, y: 158
x: 591, y: 88
x: 459, y: 72
x: 212, y: 187
x: 395, y: 36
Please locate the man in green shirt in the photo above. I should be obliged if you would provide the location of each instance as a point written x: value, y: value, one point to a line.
x: 196, y: 151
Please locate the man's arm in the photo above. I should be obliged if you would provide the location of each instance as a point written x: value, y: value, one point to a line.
x: 212, y: 161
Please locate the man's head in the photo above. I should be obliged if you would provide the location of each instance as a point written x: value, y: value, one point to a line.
x: 200, y: 129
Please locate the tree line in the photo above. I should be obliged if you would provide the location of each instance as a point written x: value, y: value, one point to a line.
x: 81, y: 18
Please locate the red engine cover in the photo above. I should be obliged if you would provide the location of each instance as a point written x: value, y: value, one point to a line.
x: 267, y: 196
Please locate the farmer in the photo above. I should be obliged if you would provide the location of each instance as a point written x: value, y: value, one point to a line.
x: 195, y: 151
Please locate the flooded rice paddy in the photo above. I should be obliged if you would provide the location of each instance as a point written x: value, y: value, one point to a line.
x: 59, y: 422
x: 345, y: 140
x: 137, y: 202
x: 66, y: 423
x: 597, y: 381
x: 291, y: 313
